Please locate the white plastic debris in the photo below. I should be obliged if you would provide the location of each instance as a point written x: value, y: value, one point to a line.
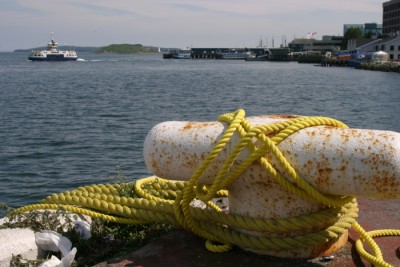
x: 31, y: 246
x: 83, y: 228
x: 64, y: 262
x: 52, y: 241
x: 54, y: 261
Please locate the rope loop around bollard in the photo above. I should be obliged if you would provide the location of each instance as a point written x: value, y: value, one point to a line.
x: 160, y: 200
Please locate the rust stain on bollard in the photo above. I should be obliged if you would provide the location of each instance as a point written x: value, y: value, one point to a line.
x: 336, y: 161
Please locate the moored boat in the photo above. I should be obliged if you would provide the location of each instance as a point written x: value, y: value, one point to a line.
x: 52, y: 53
x: 235, y: 54
x: 253, y: 57
x: 183, y: 54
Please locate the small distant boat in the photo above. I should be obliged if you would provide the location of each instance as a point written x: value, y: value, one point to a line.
x: 52, y: 53
x: 235, y: 54
x: 254, y: 57
x: 183, y: 54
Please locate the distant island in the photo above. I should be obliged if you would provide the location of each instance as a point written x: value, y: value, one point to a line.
x: 113, y: 48
x: 127, y: 49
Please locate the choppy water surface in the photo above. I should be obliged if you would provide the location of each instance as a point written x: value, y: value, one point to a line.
x: 67, y: 124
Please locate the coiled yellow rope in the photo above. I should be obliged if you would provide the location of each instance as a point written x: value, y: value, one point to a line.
x: 160, y: 200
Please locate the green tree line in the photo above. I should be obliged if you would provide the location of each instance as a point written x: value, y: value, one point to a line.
x: 127, y: 49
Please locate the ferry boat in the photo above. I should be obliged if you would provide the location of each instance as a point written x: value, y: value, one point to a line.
x: 52, y: 53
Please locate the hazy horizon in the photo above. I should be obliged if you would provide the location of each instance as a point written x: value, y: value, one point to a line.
x: 176, y: 23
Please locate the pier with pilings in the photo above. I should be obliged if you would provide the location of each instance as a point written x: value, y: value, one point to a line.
x: 217, y: 53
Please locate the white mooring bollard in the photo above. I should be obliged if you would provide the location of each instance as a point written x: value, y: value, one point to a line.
x: 336, y: 161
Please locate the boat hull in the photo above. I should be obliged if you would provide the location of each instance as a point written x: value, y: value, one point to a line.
x: 52, y: 58
x: 179, y: 57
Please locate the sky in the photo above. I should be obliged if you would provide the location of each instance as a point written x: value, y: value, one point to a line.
x: 177, y: 23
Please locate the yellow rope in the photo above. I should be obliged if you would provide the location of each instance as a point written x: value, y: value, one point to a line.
x: 160, y: 200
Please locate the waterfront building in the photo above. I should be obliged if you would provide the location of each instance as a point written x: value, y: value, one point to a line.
x: 280, y: 54
x: 391, y: 17
x: 328, y: 43
x: 389, y: 45
x: 362, y: 45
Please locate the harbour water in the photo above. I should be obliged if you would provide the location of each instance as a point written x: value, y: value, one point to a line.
x: 68, y: 124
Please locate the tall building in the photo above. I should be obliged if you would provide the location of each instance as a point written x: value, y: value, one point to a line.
x: 374, y: 30
x: 391, y: 17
